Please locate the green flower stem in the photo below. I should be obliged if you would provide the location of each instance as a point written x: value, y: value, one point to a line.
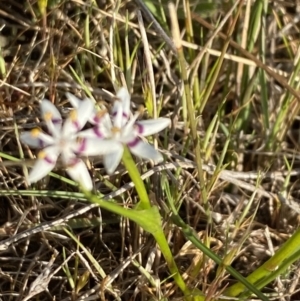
x: 150, y: 221
x: 165, y: 249
x: 158, y: 233
x: 276, y: 265
x: 137, y: 180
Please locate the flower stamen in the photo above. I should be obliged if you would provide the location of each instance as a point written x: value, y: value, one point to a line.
x: 73, y: 115
x: 42, y: 155
x: 115, y: 130
x: 48, y: 116
x: 35, y: 132
x: 99, y: 115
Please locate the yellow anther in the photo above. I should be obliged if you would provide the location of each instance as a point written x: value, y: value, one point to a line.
x: 42, y: 155
x: 35, y: 132
x: 73, y: 115
x: 48, y: 116
x: 115, y: 130
x: 101, y: 113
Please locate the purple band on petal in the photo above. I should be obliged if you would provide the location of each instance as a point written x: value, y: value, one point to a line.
x: 49, y: 160
x: 56, y: 121
x: 98, y: 132
x: 96, y: 119
x: 139, y: 128
x: 82, y: 146
x: 124, y: 115
x: 41, y: 143
x: 134, y: 142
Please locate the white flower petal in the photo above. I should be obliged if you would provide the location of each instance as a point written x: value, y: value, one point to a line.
x: 129, y: 128
x: 118, y: 115
x: 79, y: 173
x: 66, y: 153
x: 103, y: 119
x: 98, y: 132
x: 144, y: 150
x: 90, y: 133
x: 51, y: 116
x: 128, y: 137
x: 74, y: 101
x: 36, y: 139
x: 95, y: 146
x: 151, y: 126
x: 70, y: 126
x: 85, y: 110
x: 39, y: 170
x: 48, y: 107
x: 124, y: 95
x: 78, y: 118
x: 45, y: 163
x: 121, y: 108
x: 112, y: 160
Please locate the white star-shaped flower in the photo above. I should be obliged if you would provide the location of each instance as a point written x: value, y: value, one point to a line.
x: 122, y: 129
x: 63, y: 141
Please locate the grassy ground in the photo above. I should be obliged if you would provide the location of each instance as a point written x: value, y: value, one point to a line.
x: 227, y: 74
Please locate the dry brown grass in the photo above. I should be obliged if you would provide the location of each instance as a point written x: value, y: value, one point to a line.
x: 251, y: 171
